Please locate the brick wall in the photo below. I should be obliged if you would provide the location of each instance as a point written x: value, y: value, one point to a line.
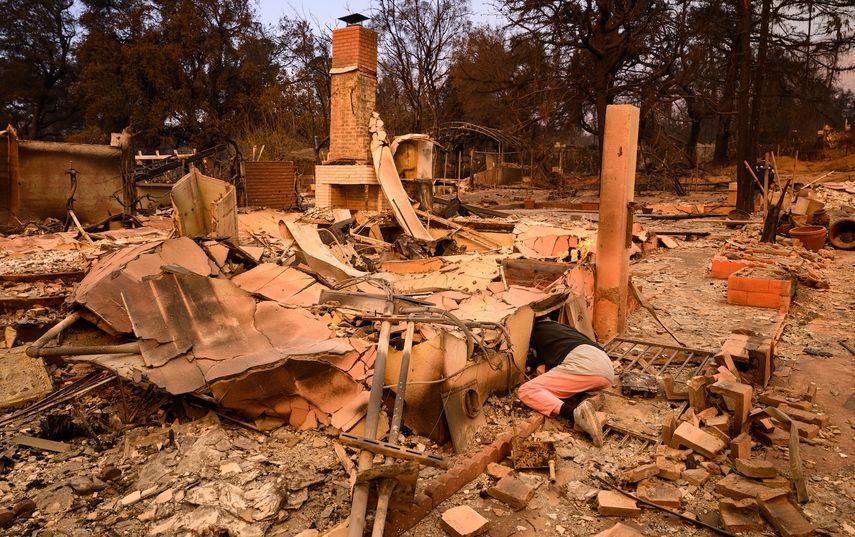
x: 271, y: 184
x: 353, y: 93
x: 349, y: 187
x: 354, y: 46
x: 353, y: 98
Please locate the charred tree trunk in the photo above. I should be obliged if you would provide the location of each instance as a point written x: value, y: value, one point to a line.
x: 744, y: 150
x: 725, y: 107
x: 760, y: 74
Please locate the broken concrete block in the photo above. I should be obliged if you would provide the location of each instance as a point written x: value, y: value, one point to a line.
x: 740, y: 515
x: 620, y: 530
x: 740, y: 447
x: 660, y: 493
x: 613, y: 503
x: 463, y: 521
x: 755, y: 468
x: 738, y: 488
x: 668, y: 469
x: 738, y: 397
x: 498, y: 471
x: 640, y: 472
x: 513, y: 491
x: 785, y: 517
x: 691, y: 437
x: 696, y: 476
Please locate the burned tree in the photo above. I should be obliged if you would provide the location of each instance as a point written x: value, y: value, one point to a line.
x: 417, y: 39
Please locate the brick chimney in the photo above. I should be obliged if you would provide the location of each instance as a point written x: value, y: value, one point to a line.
x: 353, y: 92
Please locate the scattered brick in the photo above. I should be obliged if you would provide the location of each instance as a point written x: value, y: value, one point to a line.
x: 740, y: 447
x: 740, y: 515
x: 699, y: 441
x: 803, y: 416
x: 776, y: 437
x: 722, y: 423
x: 785, y: 517
x: 671, y: 453
x: 697, y: 393
x: 736, y: 487
x: 755, y: 468
x: 669, y: 425
x: 463, y: 521
x: 696, y: 476
x: 513, y: 491
x: 498, y: 471
x: 660, y: 493
x: 707, y: 414
x: 718, y: 434
x: 668, y: 469
x: 640, y: 472
x: 620, y: 530
x: 613, y: 503
x: 779, y: 482
x: 738, y: 396
x: 674, y: 391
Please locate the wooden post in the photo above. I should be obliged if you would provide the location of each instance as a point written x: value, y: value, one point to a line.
x: 765, y: 184
x: 614, y: 234
x: 459, y: 164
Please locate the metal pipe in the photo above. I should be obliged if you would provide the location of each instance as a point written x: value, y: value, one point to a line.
x: 359, y: 502
x: 470, y: 339
x: 124, y: 348
x: 54, y: 332
x: 386, y: 486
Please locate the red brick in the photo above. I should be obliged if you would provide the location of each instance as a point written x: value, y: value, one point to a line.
x: 640, y: 472
x: 740, y: 447
x: 755, y: 468
x: 785, y: 517
x: 690, y: 436
x: 736, y: 487
x: 739, y: 399
x: 620, y: 530
x: 463, y: 521
x: 740, y: 515
x: 660, y: 493
x: 512, y: 491
x: 613, y: 503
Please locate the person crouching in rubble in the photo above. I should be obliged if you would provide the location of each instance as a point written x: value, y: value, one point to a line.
x: 567, y: 363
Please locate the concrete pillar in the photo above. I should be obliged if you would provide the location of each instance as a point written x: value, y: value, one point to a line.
x: 614, y: 233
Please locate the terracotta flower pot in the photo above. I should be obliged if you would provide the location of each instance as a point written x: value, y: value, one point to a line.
x: 812, y: 237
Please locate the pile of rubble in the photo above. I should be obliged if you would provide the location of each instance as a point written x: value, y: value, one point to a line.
x: 278, y: 323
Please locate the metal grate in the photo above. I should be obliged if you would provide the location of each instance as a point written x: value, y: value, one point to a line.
x: 656, y: 358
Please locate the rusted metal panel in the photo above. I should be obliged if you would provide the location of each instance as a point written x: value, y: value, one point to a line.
x: 44, y: 185
x: 271, y: 184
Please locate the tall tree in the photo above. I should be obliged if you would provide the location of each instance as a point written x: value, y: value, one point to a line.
x: 417, y: 40
x: 37, y: 67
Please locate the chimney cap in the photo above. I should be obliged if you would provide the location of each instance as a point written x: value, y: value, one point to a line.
x: 353, y: 19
